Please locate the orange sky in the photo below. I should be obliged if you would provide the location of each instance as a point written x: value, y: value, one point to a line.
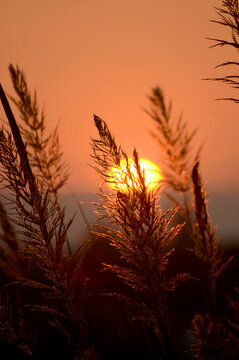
x: 104, y: 56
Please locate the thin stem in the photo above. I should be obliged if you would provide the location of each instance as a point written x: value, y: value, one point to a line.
x: 188, y: 213
x: 25, y: 164
x: 28, y: 175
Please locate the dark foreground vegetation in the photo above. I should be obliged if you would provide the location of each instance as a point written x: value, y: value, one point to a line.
x: 147, y: 283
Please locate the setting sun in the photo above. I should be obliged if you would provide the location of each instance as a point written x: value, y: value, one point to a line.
x: 151, y: 172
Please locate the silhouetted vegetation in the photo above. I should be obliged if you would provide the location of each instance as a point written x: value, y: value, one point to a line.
x: 148, y: 283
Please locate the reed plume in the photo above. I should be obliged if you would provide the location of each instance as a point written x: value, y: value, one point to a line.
x: 174, y: 141
x: 142, y: 235
x: 228, y: 15
x: 175, y: 152
x: 33, y: 175
x: 210, y: 329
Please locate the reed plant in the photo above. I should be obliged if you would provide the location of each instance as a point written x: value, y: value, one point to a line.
x: 228, y: 15
x: 33, y: 175
x: 142, y: 235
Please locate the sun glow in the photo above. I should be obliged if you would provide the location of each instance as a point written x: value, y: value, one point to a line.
x: 121, y: 181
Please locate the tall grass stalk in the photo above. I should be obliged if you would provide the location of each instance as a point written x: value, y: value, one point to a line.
x: 228, y: 16
x: 142, y: 236
x: 175, y: 152
x: 40, y: 218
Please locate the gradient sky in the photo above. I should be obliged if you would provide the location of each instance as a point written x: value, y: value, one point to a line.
x: 104, y: 56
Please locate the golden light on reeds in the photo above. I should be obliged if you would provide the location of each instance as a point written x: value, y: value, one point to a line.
x: 120, y: 178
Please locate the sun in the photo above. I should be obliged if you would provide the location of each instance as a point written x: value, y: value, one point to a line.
x: 118, y: 176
